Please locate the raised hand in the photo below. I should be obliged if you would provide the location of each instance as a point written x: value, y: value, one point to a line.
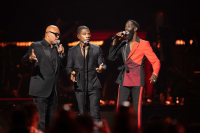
x: 100, y: 69
x: 32, y: 57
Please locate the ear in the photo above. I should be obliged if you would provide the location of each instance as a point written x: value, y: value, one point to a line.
x: 135, y: 29
x: 78, y: 36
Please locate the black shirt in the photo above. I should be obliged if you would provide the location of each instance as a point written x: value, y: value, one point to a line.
x: 53, y: 53
x: 127, y: 50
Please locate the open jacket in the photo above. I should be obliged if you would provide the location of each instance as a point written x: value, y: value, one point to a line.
x: 44, y: 75
x: 132, y: 72
x: 93, y: 59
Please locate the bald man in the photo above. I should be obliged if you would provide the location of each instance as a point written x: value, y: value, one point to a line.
x: 46, y: 59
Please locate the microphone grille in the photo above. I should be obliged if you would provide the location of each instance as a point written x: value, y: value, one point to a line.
x: 123, y: 32
x: 85, y: 42
x: 58, y: 42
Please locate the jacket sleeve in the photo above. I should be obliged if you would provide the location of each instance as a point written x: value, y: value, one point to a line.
x: 101, y: 59
x: 63, y: 61
x: 70, y: 64
x: 151, y: 56
x: 115, y: 52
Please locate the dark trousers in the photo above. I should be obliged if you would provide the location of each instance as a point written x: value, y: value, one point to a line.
x: 136, y: 91
x: 46, y: 108
x: 93, y: 97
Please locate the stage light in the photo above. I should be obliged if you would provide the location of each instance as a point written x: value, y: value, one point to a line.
x: 111, y: 102
x: 149, y: 100
x: 66, y: 107
x: 18, y: 44
x: 102, y: 102
x: 158, y: 46
x: 177, y: 101
x: 180, y: 42
x: 167, y: 102
x: 99, y: 43
x: 191, y: 42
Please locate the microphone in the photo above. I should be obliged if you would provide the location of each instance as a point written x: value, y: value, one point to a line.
x: 58, y: 44
x: 85, y: 42
x: 116, y: 36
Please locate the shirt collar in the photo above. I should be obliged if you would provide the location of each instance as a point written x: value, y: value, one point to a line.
x: 86, y: 44
x: 46, y: 43
x: 137, y: 39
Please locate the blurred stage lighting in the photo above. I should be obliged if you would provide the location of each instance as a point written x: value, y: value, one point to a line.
x: 182, y: 42
x: 98, y: 43
x: 19, y: 44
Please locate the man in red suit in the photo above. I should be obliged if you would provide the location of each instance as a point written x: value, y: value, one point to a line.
x: 134, y: 52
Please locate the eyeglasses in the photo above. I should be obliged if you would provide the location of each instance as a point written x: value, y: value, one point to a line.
x: 56, y: 34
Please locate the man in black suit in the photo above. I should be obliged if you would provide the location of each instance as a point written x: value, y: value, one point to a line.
x: 46, y: 58
x: 94, y: 63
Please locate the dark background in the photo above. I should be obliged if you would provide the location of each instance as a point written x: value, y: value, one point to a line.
x: 27, y: 21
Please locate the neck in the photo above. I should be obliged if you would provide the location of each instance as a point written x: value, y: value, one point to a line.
x: 48, y: 41
x: 82, y: 44
x: 134, y: 38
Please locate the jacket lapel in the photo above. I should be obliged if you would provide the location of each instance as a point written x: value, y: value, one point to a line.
x: 79, y: 55
x: 57, y: 61
x: 135, y: 46
x: 90, y: 54
x: 47, y: 53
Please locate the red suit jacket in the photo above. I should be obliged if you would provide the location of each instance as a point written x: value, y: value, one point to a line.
x: 132, y: 72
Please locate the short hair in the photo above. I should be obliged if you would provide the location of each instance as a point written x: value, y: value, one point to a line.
x: 134, y: 23
x: 81, y: 28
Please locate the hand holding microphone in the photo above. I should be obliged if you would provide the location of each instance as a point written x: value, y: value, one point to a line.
x: 60, y: 48
x: 118, y: 37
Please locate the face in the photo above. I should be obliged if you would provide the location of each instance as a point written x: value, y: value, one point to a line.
x: 53, y: 35
x: 84, y: 35
x: 130, y: 30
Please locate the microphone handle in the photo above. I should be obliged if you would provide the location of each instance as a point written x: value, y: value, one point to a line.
x: 61, y: 55
x: 116, y: 36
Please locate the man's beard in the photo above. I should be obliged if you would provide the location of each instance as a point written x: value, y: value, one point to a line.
x: 130, y: 35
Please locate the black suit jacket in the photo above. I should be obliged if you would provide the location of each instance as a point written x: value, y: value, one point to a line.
x: 44, y: 75
x: 93, y: 59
